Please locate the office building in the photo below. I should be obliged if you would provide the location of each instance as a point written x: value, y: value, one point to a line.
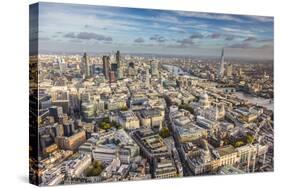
x: 164, y: 167
x: 229, y: 70
x: 112, y: 77
x: 106, y: 66
x: 128, y: 120
x: 56, y: 112
x: 151, y: 118
x: 85, y: 62
x: 71, y: 142
x: 151, y: 144
x: 154, y: 68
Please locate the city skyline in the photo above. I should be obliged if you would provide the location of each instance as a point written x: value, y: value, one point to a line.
x: 133, y: 94
x: 99, y: 29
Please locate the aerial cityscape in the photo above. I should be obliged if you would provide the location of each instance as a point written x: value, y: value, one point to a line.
x: 122, y: 94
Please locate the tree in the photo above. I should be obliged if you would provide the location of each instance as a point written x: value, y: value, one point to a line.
x: 238, y: 143
x: 95, y: 169
x: 250, y: 139
x: 105, y: 126
x: 124, y: 108
x: 164, y: 132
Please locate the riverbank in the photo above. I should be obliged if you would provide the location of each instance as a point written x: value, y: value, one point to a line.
x: 266, y: 103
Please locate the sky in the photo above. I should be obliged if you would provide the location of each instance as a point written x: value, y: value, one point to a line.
x: 72, y: 28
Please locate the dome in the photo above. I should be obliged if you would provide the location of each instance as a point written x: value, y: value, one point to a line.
x: 204, y: 100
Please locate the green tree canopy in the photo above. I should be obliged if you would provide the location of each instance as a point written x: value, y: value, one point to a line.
x: 105, y: 125
x: 124, y: 108
x: 95, y: 169
x: 164, y: 132
x: 238, y: 143
x: 250, y: 139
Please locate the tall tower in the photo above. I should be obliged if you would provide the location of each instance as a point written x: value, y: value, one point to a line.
x: 118, y: 59
x: 221, y: 67
x: 61, y: 64
x: 120, y: 73
x: 147, y: 78
x: 106, y: 66
x: 154, y: 68
x: 112, y: 78
x: 85, y: 62
x: 119, y: 66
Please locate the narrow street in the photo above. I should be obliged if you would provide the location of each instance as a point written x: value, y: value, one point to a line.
x: 186, y: 169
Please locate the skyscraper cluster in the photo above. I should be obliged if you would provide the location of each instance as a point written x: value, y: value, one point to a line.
x: 100, y: 127
x: 112, y: 70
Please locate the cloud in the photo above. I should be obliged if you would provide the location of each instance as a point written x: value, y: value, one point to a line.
x: 139, y: 40
x: 176, y: 29
x: 257, y: 44
x: 124, y: 27
x: 262, y: 18
x: 183, y: 43
x: 75, y: 41
x: 107, y: 42
x: 158, y: 38
x: 214, y: 36
x: 88, y: 36
x: 212, y: 16
x: 196, y: 36
x: 227, y: 17
x: 229, y: 38
x: 238, y: 31
x: 250, y: 39
x: 70, y: 35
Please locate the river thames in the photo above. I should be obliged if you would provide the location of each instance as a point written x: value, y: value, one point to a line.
x: 267, y: 103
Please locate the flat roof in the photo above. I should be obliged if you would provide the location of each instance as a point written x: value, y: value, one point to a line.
x: 225, y: 150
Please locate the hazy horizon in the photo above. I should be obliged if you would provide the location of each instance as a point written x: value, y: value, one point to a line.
x: 74, y: 28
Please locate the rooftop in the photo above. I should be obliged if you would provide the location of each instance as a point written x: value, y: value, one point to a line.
x: 226, y: 150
